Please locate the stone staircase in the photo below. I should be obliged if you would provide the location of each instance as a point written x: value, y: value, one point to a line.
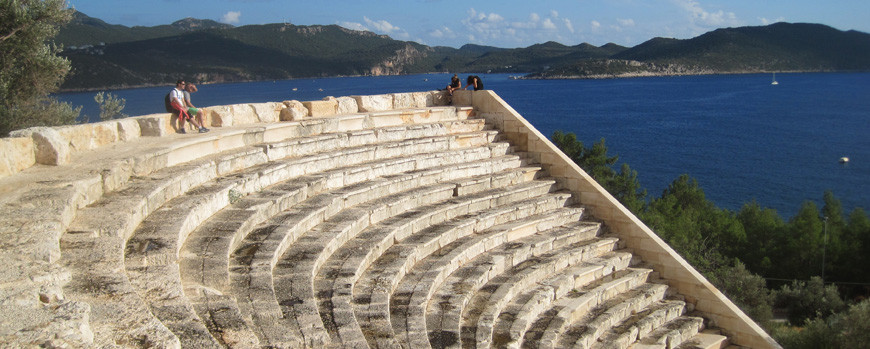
x: 416, y: 227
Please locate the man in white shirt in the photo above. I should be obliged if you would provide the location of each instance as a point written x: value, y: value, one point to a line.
x: 177, y: 99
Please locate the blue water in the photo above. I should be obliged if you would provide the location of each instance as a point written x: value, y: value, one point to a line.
x: 740, y: 137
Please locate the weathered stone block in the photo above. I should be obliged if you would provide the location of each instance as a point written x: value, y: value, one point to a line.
x: 51, y: 147
x: 18, y: 154
x: 403, y: 101
x: 294, y: 110
x: 155, y: 125
x: 346, y: 105
x: 244, y: 114
x: 268, y: 112
x: 221, y: 116
x: 321, y: 108
x: 128, y: 129
x: 374, y: 103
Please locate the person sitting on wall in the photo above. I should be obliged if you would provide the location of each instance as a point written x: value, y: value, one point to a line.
x: 474, y: 81
x: 455, y: 84
x: 176, y: 97
x: 191, y: 109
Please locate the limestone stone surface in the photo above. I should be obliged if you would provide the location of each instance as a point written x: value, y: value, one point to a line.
x: 155, y: 125
x: 51, y: 147
x: 18, y: 154
x: 268, y: 112
x: 321, y: 108
x: 128, y: 129
x: 294, y: 110
x: 374, y: 103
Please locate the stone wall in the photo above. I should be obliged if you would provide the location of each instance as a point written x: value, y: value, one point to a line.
x: 57, y: 145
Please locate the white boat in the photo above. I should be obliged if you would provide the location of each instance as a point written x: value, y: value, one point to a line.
x: 844, y: 160
x: 774, y: 80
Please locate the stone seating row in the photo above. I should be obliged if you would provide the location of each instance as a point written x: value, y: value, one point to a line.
x: 197, y: 264
x: 255, y: 258
x: 162, y: 293
x: 133, y: 203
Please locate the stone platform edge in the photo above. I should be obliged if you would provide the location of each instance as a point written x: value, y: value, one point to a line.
x: 56, y: 145
x: 740, y: 329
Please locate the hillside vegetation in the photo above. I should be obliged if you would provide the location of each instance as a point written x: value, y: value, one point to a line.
x: 114, y: 56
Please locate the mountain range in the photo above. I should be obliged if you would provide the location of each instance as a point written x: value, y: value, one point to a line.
x: 115, y: 56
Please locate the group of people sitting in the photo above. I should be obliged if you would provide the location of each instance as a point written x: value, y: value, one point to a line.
x: 456, y: 84
x: 179, y: 100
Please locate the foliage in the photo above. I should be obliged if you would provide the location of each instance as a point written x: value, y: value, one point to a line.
x: 808, y: 300
x: 30, y: 68
x: 747, y: 290
x: 110, y: 106
x: 623, y: 185
x: 704, y: 234
x: 849, y: 329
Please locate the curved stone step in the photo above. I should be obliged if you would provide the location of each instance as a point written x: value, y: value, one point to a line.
x: 365, y: 260
x: 294, y: 275
x: 142, y: 195
x: 159, y: 243
x: 672, y: 334
x: 515, y: 320
x: 554, y: 241
x: 638, y: 325
x: 353, y: 258
x: 478, y: 320
x: 413, y: 295
x: 593, y: 325
x: 373, y: 290
x: 262, y: 248
x: 453, y: 296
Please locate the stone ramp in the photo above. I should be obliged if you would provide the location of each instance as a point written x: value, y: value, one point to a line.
x: 422, y: 227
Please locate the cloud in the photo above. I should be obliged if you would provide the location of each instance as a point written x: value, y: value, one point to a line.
x: 569, y: 25
x: 702, y: 17
x: 381, y: 26
x: 548, y: 24
x: 595, y: 25
x: 231, y: 17
x: 353, y: 26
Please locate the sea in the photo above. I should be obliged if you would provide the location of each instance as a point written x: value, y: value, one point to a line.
x: 742, y: 138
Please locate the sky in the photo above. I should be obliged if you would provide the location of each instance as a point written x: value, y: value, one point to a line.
x: 500, y: 23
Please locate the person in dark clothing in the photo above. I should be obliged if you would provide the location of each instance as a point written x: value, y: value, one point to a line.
x: 474, y: 81
x: 455, y: 84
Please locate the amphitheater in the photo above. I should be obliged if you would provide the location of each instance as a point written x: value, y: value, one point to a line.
x: 381, y: 221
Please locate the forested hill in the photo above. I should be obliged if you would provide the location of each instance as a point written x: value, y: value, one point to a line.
x: 112, y: 56
x: 776, y: 47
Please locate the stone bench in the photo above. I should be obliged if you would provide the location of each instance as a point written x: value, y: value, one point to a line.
x: 310, y: 252
x: 595, y: 323
x: 551, y: 243
x: 642, y: 323
x: 217, y: 198
x: 484, y: 310
x: 520, y: 315
x: 501, y: 247
x: 141, y: 197
x: 370, y: 192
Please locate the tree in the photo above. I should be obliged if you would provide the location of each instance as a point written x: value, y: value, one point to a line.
x: 30, y: 68
x: 110, y: 106
x: 623, y: 185
x: 807, y: 300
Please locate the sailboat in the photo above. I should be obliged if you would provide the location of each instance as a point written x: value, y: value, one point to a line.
x: 774, y: 79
